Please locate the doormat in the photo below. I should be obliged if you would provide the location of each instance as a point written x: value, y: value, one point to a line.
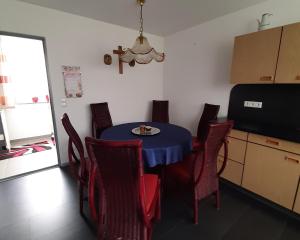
x: 26, y: 149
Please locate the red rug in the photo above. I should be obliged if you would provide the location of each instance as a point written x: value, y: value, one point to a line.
x: 26, y: 149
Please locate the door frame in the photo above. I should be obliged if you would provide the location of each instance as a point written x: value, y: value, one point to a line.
x: 43, y: 39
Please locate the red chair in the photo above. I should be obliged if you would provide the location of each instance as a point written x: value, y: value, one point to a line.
x: 199, y: 172
x: 80, y: 166
x: 210, y: 112
x: 129, y: 200
x: 160, y: 111
x: 101, y: 118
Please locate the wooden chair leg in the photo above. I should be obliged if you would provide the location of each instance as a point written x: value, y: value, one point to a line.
x: 158, y: 205
x: 81, y: 198
x: 196, y: 209
x: 92, y: 194
x: 149, y: 233
x: 218, y: 203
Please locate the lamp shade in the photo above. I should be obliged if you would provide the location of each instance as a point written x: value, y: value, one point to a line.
x: 142, y: 52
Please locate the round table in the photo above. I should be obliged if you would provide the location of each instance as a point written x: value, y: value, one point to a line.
x: 168, y: 146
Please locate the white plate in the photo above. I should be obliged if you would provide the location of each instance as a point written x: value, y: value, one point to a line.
x: 153, y: 131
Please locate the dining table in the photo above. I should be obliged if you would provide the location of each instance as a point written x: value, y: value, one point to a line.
x: 168, y: 144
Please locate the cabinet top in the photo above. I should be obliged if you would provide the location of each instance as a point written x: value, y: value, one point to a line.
x: 269, y: 29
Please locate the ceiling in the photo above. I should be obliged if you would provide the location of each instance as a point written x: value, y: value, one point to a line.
x: 161, y: 17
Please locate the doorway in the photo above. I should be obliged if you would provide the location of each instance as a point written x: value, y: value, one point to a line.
x: 27, y: 130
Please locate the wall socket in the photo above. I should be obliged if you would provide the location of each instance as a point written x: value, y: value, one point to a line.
x: 252, y: 104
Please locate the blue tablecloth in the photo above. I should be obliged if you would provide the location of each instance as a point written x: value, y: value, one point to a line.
x: 169, y: 146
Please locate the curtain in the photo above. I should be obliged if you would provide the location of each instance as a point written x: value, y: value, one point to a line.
x: 6, y: 92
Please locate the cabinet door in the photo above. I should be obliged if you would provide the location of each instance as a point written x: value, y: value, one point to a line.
x: 297, y: 202
x: 288, y: 68
x: 271, y: 173
x: 233, y: 171
x: 236, y: 150
x: 255, y: 57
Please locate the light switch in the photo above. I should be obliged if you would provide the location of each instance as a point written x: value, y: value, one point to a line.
x: 63, y: 102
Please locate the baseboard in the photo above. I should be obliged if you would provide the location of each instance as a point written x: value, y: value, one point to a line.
x: 30, y: 138
x: 259, y: 199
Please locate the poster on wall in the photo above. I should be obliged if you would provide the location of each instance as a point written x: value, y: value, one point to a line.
x: 72, y: 80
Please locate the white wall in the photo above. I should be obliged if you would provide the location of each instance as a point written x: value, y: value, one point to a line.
x: 75, y: 40
x: 197, y: 67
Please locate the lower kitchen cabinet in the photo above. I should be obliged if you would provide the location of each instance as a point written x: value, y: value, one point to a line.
x: 272, y: 173
x: 233, y: 171
x: 236, y: 150
x: 297, y: 201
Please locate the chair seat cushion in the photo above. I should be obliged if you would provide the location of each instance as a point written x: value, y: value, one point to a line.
x: 151, y: 190
x: 180, y: 172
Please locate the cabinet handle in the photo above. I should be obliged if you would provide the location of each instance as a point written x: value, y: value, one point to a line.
x: 297, y: 77
x: 291, y: 159
x: 266, y: 78
x: 272, y: 142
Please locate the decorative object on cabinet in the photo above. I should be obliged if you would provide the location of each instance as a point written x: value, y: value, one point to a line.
x: 264, y: 22
x: 107, y: 59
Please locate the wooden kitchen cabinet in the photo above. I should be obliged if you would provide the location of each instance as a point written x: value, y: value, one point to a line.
x: 275, y: 143
x: 255, y: 56
x: 297, y: 201
x: 233, y: 171
x: 237, y: 144
x: 236, y: 150
x: 271, y: 173
x: 288, y: 69
x: 238, y: 134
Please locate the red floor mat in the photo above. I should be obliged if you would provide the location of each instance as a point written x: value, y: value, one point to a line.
x: 26, y: 149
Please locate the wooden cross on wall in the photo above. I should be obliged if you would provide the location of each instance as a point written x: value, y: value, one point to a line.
x: 119, y: 52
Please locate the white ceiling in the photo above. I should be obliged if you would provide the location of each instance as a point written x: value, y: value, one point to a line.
x: 161, y: 17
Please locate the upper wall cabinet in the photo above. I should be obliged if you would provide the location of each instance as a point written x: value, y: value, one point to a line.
x: 255, y: 56
x: 288, y: 68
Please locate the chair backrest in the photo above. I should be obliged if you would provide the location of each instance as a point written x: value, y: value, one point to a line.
x: 101, y: 118
x: 160, y: 111
x: 74, y: 140
x: 121, y: 186
x: 210, y: 112
x: 206, y: 169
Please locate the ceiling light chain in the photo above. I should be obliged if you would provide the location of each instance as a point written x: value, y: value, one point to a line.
x: 141, y: 23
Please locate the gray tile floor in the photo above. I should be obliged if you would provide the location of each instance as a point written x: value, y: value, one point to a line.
x: 44, y: 206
